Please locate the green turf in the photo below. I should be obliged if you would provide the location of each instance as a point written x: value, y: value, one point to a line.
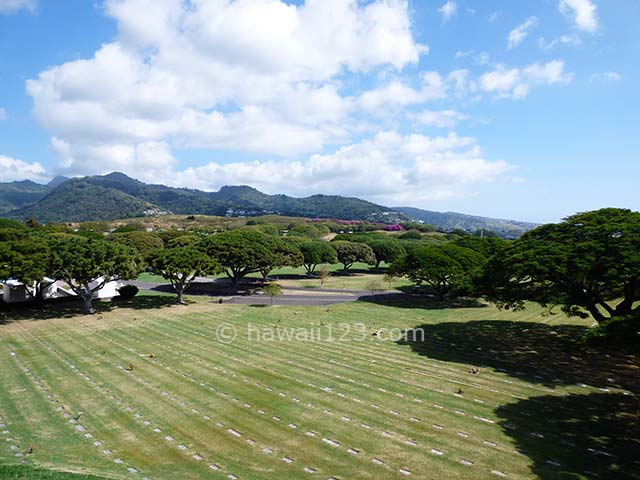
x: 23, y: 472
x: 268, y: 407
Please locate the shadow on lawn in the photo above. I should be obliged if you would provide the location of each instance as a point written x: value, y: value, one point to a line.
x: 577, y: 436
x: 535, y: 352
x: 405, y: 300
x: 72, y: 307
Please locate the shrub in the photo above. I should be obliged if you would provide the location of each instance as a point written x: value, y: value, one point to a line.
x: 411, y: 235
x: 617, y: 331
x: 127, y: 292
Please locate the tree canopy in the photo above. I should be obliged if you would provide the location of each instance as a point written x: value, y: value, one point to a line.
x: 352, y: 252
x: 314, y: 253
x: 442, y: 267
x: 87, y: 265
x: 588, y: 264
x: 181, y: 265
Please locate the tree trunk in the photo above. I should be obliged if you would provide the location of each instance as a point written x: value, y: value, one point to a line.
x: 87, y: 298
x: 180, y: 290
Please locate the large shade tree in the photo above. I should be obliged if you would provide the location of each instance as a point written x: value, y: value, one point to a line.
x: 352, y: 252
x: 386, y: 251
x: 442, y: 267
x: 240, y: 252
x: 87, y: 265
x: 281, y: 254
x: 588, y: 264
x: 314, y: 253
x: 181, y: 266
x: 27, y: 258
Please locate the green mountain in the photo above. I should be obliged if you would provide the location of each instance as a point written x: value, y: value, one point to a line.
x: 78, y: 200
x: 449, y: 221
x: 17, y: 194
x: 116, y: 195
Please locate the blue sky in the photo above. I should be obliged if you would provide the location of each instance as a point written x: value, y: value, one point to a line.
x: 524, y: 110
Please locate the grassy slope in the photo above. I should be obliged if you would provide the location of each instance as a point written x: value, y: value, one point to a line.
x: 400, y: 404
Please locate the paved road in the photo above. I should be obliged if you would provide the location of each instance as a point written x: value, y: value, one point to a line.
x: 292, y: 296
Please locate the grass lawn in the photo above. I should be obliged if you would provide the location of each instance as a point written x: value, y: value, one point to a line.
x: 360, y: 278
x: 155, y: 390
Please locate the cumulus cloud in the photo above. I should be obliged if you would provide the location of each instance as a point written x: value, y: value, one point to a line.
x: 438, y: 118
x: 3, y: 114
x: 13, y: 169
x: 518, y: 82
x: 13, y: 6
x: 583, y: 13
x: 518, y: 34
x: 260, y: 76
x: 398, y: 94
x: 390, y: 168
x: 448, y: 10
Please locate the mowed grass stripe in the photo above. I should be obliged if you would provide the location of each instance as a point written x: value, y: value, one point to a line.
x: 187, y: 426
x: 29, y: 418
x: 68, y: 439
x: 257, y: 435
x: 283, y: 422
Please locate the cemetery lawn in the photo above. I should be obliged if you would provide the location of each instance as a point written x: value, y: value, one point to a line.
x: 153, y: 390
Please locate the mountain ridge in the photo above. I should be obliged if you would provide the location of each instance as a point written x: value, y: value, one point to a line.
x: 116, y: 195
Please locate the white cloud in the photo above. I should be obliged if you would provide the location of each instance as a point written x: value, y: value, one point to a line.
x: 572, y: 39
x: 438, y: 118
x: 448, y: 10
x: 518, y: 34
x: 582, y: 12
x: 13, y: 169
x: 518, y: 82
x: 261, y: 76
x: 397, y: 94
x: 390, y: 168
x: 606, y: 77
x: 494, y: 16
x: 12, y: 6
x: 3, y: 114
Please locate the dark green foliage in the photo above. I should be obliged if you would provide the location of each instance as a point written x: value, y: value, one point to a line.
x: 86, y: 265
x: 144, y: 243
x: 181, y: 265
x: 411, y: 235
x: 127, y: 292
x: 246, y: 251
x: 308, y: 230
x: 8, y: 223
x: 588, y: 264
x: 24, y: 472
x: 314, y: 253
x: 622, y: 332
x: 442, y: 267
x: 116, y: 196
x: 352, y: 252
x: 421, y: 227
x: 487, y: 247
x: 387, y: 251
x: 27, y: 259
x: 79, y: 200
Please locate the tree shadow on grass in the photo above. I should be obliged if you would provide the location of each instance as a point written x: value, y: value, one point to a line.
x: 405, y: 300
x: 72, y: 307
x: 577, y: 436
x: 534, y: 352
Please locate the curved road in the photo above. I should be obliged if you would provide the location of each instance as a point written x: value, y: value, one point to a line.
x: 292, y: 296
